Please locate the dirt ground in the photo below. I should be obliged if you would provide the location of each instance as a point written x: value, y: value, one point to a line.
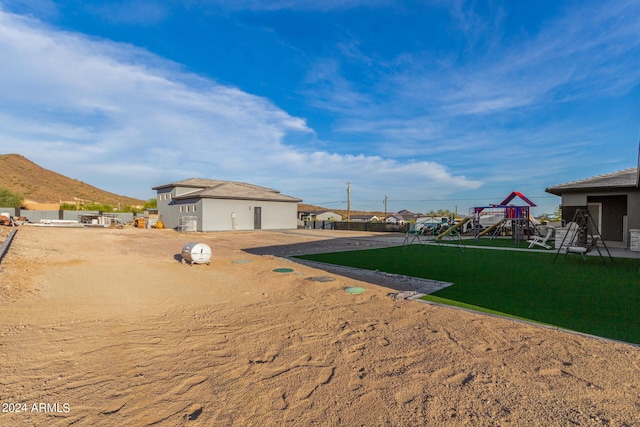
x: 102, y: 327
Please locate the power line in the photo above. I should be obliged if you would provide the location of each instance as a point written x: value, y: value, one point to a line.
x: 433, y: 200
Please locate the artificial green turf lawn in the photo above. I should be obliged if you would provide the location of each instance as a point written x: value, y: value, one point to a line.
x: 584, y: 296
x: 485, y: 241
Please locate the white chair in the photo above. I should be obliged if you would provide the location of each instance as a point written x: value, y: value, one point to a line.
x: 541, y: 241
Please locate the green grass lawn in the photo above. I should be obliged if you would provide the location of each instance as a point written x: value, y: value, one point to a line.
x: 501, y: 242
x: 585, y: 296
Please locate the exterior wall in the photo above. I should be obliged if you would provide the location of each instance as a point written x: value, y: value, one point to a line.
x: 633, y: 212
x: 166, y: 207
x: 169, y: 209
x: 172, y: 210
x: 190, y: 208
x: 216, y: 214
x: 230, y: 214
x: 616, y: 220
x: 573, y: 199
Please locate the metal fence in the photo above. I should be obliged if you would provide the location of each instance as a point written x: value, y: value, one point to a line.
x: 356, y: 226
x: 35, y: 216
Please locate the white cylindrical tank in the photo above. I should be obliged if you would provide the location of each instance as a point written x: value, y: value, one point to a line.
x: 196, y: 253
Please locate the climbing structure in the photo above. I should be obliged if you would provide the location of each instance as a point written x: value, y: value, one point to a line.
x: 515, y: 218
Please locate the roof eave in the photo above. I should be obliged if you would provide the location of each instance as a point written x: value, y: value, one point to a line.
x: 258, y: 199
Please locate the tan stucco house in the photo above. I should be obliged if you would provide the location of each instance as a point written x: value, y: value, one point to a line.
x: 613, y: 200
x: 215, y: 205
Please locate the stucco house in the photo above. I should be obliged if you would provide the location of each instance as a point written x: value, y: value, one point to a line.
x: 613, y: 201
x: 215, y: 205
x: 319, y: 216
x: 395, y: 219
x: 364, y: 218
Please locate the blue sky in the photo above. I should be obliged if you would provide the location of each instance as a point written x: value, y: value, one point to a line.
x: 433, y: 104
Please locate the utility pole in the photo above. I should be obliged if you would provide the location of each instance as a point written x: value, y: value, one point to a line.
x: 348, y: 202
x: 385, y: 207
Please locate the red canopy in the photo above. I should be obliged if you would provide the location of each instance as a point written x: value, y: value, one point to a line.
x: 515, y: 194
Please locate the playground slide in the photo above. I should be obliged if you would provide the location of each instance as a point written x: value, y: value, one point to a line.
x: 462, y: 222
x: 490, y: 229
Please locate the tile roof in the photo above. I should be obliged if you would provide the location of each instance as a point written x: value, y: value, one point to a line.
x: 621, y: 179
x: 217, y: 189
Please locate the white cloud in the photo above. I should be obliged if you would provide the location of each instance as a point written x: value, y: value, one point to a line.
x: 125, y: 120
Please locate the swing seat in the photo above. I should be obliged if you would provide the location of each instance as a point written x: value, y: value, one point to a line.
x: 583, y: 250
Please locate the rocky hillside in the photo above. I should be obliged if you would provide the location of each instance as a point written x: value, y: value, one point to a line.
x: 37, y: 184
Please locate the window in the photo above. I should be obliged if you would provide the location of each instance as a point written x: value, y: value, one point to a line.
x: 180, y: 208
x: 194, y: 208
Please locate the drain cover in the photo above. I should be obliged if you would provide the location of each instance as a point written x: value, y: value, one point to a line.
x: 283, y: 270
x: 322, y: 279
x: 355, y: 290
x: 242, y: 261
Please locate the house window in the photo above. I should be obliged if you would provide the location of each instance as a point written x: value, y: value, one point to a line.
x: 180, y: 208
x: 187, y: 208
x: 194, y: 208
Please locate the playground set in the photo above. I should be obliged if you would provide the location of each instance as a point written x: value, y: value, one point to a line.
x: 507, y: 219
x: 502, y: 219
x: 581, y: 235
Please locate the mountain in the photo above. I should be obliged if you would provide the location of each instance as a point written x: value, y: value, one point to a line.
x: 21, y: 175
x: 44, y: 187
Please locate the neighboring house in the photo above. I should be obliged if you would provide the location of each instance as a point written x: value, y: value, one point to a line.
x: 364, y: 218
x: 613, y: 201
x: 408, y: 215
x: 217, y: 205
x: 319, y: 216
x: 395, y: 219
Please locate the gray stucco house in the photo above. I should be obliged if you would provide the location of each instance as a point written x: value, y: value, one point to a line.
x: 198, y: 204
x: 613, y: 201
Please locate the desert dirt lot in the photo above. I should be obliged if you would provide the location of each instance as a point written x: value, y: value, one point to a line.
x: 106, y: 327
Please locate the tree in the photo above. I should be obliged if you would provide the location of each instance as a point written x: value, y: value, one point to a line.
x: 151, y: 203
x: 555, y: 216
x: 9, y: 199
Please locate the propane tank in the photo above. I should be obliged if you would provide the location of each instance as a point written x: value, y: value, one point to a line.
x: 196, y: 253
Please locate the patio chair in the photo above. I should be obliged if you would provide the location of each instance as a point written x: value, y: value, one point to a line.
x: 541, y: 241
